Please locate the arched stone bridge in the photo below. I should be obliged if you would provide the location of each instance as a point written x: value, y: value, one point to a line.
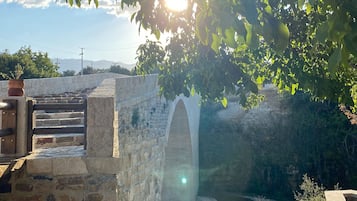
x: 139, y: 146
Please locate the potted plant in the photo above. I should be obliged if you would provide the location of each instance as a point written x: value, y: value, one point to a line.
x: 15, y: 84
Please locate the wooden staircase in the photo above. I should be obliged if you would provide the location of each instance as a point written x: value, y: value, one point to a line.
x: 60, y: 119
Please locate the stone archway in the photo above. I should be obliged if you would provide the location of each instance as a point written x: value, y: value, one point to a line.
x: 178, y: 181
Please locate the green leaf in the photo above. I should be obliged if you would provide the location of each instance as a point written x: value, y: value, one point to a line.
x: 248, y: 36
x: 224, y: 102
x: 268, y: 9
x: 301, y: 4
x: 201, y: 29
x: 96, y: 2
x: 230, y: 37
x: 157, y: 33
x: 282, y: 37
x: 308, y: 8
x: 251, y: 11
x: 351, y: 43
x: 70, y: 2
x: 267, y: 32
x: 334, y: 60
x: 78, y: 3
x: 132, y: 17
x: 260, y: 80
x: 254, y: 43
x: 215, y: 43
x: 193, y: 91
x: 322, y: 32
x: 294, y: 87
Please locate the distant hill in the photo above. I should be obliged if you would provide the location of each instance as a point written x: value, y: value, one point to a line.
x: 75, y: 64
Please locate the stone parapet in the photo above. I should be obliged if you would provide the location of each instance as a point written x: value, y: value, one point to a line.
x: 341, y: 195
x: 45, y: 86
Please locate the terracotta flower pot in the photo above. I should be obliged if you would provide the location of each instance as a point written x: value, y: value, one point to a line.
x: 16, y: 88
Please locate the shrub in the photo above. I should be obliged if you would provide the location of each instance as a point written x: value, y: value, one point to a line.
x: 311, y: 191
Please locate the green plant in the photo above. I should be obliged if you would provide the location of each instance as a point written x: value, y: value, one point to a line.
x: 311, y: 191
x: 14, y: 75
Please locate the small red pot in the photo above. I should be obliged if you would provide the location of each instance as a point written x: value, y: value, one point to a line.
x: 16, y: 88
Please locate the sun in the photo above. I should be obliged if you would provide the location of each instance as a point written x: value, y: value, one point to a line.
x: 176, y: 5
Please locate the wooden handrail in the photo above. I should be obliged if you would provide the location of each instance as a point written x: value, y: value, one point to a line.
x: 58, y: 130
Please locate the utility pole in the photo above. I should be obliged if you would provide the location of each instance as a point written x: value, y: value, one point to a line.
x: 57, y: 63
x: 81, y: 60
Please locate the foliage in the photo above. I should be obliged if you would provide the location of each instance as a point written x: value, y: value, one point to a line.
x: 32, y: 64
x: 266, y: 150
x: 233, y: 46
x: 68, y: 73
x: 118, y: 69
x: 311, y: 191
x: 89, y: 70
x: 16, y: 74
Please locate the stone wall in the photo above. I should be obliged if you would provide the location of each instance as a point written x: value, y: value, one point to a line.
x: 45, y: 86
x: 60, y: 179
x: 142, y: 130
x: 128, y: 127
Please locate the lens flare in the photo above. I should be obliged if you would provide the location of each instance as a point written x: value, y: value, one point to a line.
x: 184, y: 180
x: 176, y: 5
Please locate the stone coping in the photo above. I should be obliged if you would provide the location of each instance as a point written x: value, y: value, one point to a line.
x: 340, y: 195
x: 58, y: 152
x: 69, y: 160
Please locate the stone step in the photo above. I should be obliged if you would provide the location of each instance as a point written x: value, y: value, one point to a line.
x: 58, y: 115
x: 59, y: 122
x: 58, y: 140
x: 60, y: 100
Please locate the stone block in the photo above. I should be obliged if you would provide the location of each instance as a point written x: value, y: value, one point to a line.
x: 71, y: 183
x: 69, y: 166
x: 100, y: 141
x: 42, y: 141
x: 43, y: 184
x: 102, y: 183
x: 64, y: 198
x: 100, y: 111
x: 112, y: 196
x: 39, y: 166
x: 25, y: 187
x: 94, y: 197
x: 64, y: 139
x: 28, y: 198
x: 103, y: 165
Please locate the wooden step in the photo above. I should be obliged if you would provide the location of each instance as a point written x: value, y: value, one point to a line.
x: 58, y: 140
x: 59, y: 122
x: 58, y: 115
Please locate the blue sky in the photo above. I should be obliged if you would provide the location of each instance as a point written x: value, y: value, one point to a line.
x: 62, y: 31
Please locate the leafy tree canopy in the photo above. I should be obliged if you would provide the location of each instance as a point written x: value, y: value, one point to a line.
x: 34, y: 64
x: 234, y: 46
x: 116, y: 68
x: 67, y: 73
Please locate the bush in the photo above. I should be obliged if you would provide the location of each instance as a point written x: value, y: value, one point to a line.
x: 311, y: 191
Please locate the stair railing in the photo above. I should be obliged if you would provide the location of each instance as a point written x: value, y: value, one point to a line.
x: 55, y: 107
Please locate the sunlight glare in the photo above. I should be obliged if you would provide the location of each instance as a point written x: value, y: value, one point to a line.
x: 176, y: 5
x: 184, y: 180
